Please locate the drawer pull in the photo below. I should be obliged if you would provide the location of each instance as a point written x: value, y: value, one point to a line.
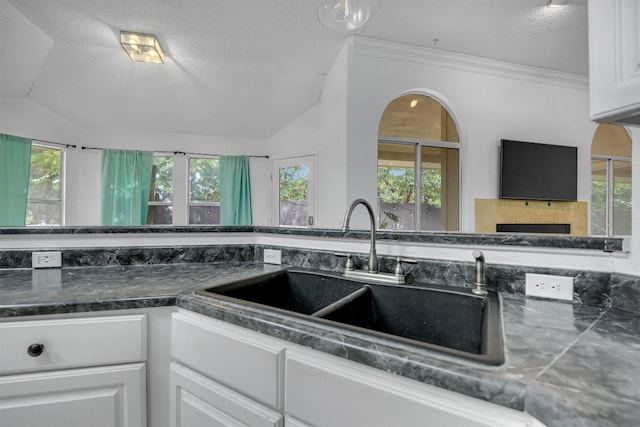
x: 35, y: 350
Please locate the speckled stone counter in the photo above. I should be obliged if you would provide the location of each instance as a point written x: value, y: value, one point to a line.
x: 567, y: 365
x: 68, y: 290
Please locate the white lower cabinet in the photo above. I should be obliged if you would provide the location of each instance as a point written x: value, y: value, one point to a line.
x: 97, y: 397
x: 77, y: 370
x: 322, y: 390
x: 198, y: 401
x: 227, y: 375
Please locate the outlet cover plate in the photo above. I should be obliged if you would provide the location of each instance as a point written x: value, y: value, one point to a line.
x: 50, y: 259
x: 549, y: 286
x: 273, y: 256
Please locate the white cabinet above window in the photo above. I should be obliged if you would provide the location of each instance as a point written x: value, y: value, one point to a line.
x: 614, y: 61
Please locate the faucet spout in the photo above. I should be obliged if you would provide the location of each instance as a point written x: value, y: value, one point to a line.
x: 373, y: 258
x: 480, y: 282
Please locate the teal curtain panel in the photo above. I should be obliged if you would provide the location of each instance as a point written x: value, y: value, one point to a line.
x: 15, y: 165
x: 235, y: 191
x: 126, y: 178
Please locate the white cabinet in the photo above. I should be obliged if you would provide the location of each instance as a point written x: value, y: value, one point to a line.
x: 86, y: 371
x: 198, y: 401
x: 614, y: 60
x: 323, y: 390
x: 228, y: 375
x: 223, y: 375
x: 98, y: 397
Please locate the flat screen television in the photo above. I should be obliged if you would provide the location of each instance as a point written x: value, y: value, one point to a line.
x: 534, y: 171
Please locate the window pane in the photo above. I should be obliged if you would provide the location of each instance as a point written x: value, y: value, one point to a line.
x: 293, y: 195
x: 44, y: 213
x: 621, y: 198
x: 44, y: 205
x: 439, y: 188
x: 206, y: 214
x: 396, y: 187
x: 598, y: 197
x: 162, y: 179
x: 204, y: 180
x: 159, y: 214
x: 44, y: 179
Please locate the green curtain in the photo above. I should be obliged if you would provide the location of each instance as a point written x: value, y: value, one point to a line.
x: 126, y: 178
x: 235, y: 191
x: 15, y: 165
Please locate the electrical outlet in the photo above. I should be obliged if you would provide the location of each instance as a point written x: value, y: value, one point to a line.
x: 272, y: 256
x: 50, y: 259
x: 549, y: 286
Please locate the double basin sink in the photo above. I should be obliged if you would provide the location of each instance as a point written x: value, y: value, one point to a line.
x: 448, y: 320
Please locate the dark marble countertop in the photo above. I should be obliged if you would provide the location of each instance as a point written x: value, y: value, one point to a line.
x: 606, y: 244
x: 566, y: 364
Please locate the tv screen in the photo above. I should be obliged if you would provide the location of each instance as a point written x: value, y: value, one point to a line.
x: 533, y: 171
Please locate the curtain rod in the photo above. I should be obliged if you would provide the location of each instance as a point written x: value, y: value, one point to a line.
x: 83, y: 147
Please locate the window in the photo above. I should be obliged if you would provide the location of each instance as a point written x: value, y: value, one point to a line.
x: 611, y: 181
x: 204, y: 190
x: 418, y: 160
x: 160, y: 209
x: 44, y: 203
x: 295, y: 205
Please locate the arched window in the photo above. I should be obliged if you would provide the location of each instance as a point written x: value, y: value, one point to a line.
x: 418, y: 161
x: 611, y: 181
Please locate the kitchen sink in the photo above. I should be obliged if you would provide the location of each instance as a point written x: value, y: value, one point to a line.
x: 445, y: 319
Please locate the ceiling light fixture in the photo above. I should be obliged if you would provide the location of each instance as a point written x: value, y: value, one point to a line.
x: 344, y: 15
x: 142, y: 47
x: 557, y: 3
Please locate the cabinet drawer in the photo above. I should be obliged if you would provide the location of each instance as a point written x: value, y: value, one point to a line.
x: 240, y: 359
x: 70, y: 343
x: 199, y: 401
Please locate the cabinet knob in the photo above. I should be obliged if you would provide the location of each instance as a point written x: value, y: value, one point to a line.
x: 35, y: 350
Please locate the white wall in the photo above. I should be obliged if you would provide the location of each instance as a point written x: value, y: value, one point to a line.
x: 489, y: 101
x: 321, y: 132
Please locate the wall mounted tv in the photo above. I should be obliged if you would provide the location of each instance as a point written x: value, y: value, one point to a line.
x: 534, y: 171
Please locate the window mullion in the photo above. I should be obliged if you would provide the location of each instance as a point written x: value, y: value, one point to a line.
x: 609, y: 198
x: 418, y: 188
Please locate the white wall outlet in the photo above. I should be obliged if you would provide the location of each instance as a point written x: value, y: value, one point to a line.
x: 549, y: 286
x: 272, y: 256
x: 51, y: 259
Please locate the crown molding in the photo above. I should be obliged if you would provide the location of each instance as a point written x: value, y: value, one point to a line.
x: 401, y: 52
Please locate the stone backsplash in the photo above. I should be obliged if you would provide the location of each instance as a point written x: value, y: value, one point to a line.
x: 590, y: 288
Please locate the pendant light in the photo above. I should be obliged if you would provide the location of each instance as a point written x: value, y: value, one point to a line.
x: 344, y: 15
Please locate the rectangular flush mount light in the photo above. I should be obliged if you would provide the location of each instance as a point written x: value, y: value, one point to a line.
x: 142, y: 47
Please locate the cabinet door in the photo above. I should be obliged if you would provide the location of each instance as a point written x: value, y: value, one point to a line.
x: 241, y: 359
x: 326, y: 391
x: 197, y: 401
x: 97, y: 397
x: 614, y: 60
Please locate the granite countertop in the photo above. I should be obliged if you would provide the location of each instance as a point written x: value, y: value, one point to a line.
x: 566, y: 364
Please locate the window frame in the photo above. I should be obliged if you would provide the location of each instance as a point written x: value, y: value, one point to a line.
x: 418, y: 144
x: 61, y: 201
x: 172, y: 203
x: 609, y: 194
x: 289, y: 162
x: 189, y: 203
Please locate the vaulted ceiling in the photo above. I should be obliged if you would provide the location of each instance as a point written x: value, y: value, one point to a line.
x: 244, y: 68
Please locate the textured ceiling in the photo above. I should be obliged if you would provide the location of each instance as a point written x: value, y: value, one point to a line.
x: 244, y: 68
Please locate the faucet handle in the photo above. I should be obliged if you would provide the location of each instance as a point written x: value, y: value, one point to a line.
x: 349, y: 265
x: 398, y: 270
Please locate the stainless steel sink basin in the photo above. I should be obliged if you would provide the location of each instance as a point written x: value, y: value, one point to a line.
x: 445, y: 319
